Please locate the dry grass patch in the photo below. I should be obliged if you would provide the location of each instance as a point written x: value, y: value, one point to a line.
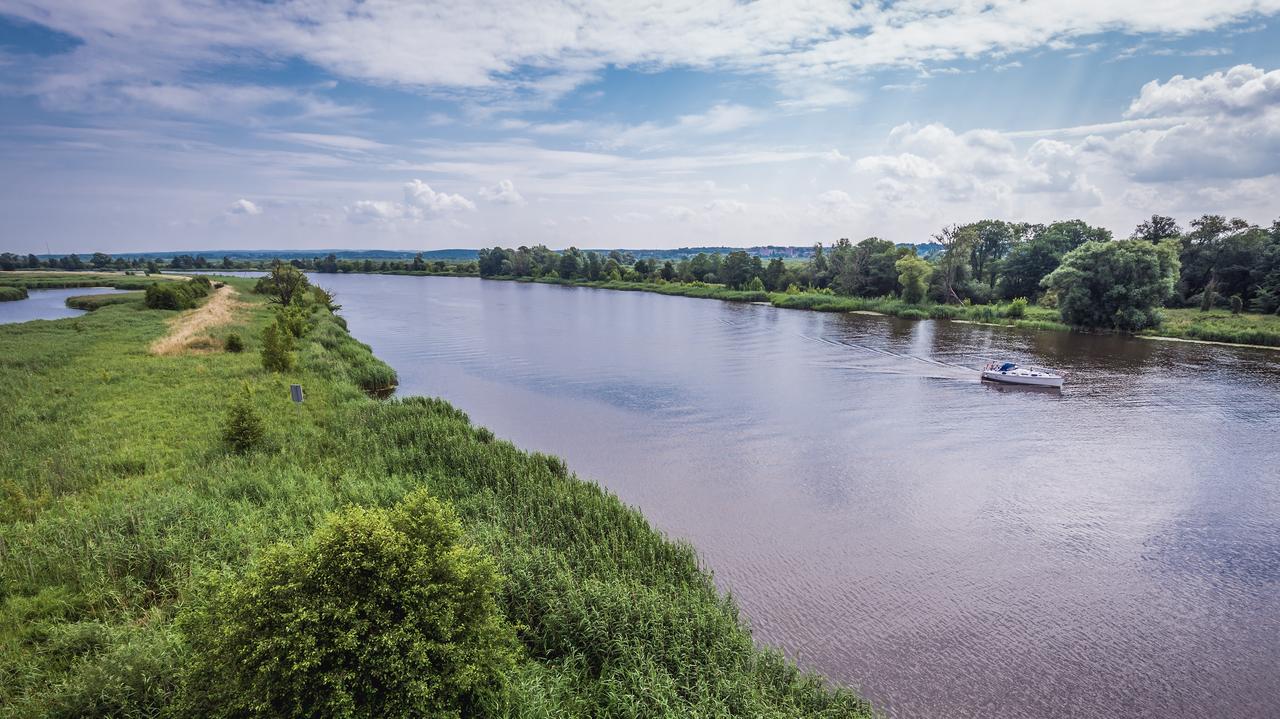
x: 187, y: 330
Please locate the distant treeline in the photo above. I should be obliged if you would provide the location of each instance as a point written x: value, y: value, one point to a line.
x: 1080, y: 269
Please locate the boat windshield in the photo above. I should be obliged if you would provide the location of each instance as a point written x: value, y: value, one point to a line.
x: 1007, y: 366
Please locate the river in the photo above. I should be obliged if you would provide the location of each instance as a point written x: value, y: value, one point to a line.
x: 47, y: 304
x: 948, y: 548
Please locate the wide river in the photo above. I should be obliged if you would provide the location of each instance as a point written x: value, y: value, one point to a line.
x: 950, y: 549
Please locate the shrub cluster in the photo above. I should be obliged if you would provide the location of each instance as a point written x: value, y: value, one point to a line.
x: 176, y: 295
x: 381, y: 613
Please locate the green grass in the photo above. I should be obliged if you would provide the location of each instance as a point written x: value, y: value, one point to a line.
x: 10, y: 294
x: 94, y: 302
x: 116, y: 497
x: 1219, y: 326
x: 42, y: 280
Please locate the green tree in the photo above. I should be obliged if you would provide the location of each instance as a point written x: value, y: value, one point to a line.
x: 381, y: 613
x: 1116, y: 285
x: 775, y: 275
x: 283, y: 285
x: 242, y: 430
x: 277, y: 346
x: 913, y: 276
x: 668, y: 271
x: 1029, y: 262
x: 1156, y: 229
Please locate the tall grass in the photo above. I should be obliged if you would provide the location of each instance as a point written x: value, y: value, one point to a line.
x: 90, y: 303
x: 117, y: 495
x: 1219, y: 326
x: 10, y: 294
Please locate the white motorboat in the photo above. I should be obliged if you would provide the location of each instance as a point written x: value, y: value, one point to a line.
x: 1010, y: 373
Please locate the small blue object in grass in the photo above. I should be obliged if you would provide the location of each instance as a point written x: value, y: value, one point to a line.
x: 295, y: 390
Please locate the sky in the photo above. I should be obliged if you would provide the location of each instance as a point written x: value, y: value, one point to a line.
x: 136, y: 125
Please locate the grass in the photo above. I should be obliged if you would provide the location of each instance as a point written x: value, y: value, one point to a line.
x: 1219, y: 326
x: 42, y: 280
x: 117, y: 496
x: 10, y: 294
x: 92, y: 302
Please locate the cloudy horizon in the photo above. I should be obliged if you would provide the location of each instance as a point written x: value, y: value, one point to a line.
x: 220, y: 124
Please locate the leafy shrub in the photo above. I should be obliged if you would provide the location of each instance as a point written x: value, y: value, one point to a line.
x: 1237, y: 304
x: 242, y: 430
x: 276, y: 347
x: 233, y: 343
x: 176, y: 295
x: 381, y: 613
x: 1017, y: 308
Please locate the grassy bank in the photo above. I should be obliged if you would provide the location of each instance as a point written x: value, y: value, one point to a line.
x: 1219, y: 326
x: 117, y: 497
x: 1028, y: 317
x: 90, y: 303
x: 10, y: 294
x: 47, y: 280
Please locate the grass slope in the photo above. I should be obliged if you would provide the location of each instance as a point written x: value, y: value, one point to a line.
x: 116, y: 497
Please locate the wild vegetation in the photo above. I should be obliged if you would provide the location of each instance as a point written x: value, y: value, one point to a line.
x: 9, y: 294
x: 90, y: 303
x: 178, y: 538
x: 1078, y: 273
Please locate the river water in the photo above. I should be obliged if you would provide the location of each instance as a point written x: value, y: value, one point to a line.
x: 948, y: 548
x: 47, y: 304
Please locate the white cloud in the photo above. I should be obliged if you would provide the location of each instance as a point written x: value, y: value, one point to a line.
x: 503, y: 51
x: 420, y: 203
x: 244, y: 207
x: 504, y: 193
x: 1242, y: 90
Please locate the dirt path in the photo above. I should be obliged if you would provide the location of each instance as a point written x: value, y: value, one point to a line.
x: 186, y: 331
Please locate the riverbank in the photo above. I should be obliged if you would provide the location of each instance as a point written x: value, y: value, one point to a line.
x: 12, y: 294
x: 51, y: 280
x: 118, y: 497
x: 1218, y: 326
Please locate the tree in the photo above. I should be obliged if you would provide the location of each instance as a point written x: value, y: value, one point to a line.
x: 100, y: 260
x: 242, y: 430
x: 775, y: 275
x: 1156, y: 229
x: 1116, y: 285
x: 953, y: 260
x: 329, y: 264
x: 570, y: 265
x: 284, y: 284
x: 277, y: 344
x: 913, y: 276
x: 419, y: 265
x: 380, y: 613
x: 866, y: 269
x: 1028, y: 262
x: 738, y: 269
x: 668, y: 271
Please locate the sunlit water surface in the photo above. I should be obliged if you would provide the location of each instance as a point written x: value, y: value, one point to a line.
x: 951, y: 549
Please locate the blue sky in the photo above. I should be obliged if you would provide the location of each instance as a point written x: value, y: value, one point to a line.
x: 142, y: 125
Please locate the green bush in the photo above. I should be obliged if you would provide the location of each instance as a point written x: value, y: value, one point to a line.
x: 233, y: 343
x: 381, y: 613
x: 242, y: 430
x: 176, y: 295
x: 1237, y: 304
x: 1017, y: 308
x: 9, y: 294
x: 277, y: 344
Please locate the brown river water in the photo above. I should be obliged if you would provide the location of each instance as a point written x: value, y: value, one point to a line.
x: 948, y: 548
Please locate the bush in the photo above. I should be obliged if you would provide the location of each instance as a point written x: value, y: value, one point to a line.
x: 1017, y: 309
x: 1237, y: 304
x: 176, y: 295
x: 381, y: 613
x: 233, y: 343
x: 276, y: 347
x: 9, y: 294
x: 242, y: 430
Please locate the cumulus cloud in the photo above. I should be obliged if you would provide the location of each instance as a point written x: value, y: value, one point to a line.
x: 244, y: 207
x: 1223, y: 125
x: 504, y: 193
x: 420, y: 203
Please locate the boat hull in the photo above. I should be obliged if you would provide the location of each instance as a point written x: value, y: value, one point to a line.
x: 1023, y: 379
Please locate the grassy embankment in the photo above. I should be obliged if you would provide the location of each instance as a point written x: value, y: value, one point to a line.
x: 90, y: 303
x: 52, y: 280
x: 1219, y: 326
x: 116, y: 497
x: 10, y: 294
